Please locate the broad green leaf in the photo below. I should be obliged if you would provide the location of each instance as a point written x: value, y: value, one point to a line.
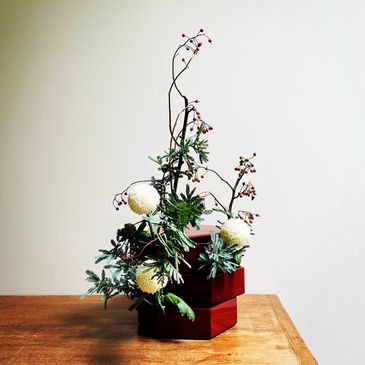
x: 181, y: 304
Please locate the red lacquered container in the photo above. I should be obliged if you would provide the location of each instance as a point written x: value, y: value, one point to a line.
x: 197, y: 291
x: 213, y: 301
x: 208, y: 323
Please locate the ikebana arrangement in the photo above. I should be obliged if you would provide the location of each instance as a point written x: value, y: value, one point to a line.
x: 164, y: 262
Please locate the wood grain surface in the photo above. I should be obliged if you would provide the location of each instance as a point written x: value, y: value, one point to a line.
x: 65, y: 330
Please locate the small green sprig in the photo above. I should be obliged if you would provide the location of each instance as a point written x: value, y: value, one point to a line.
x: 185, y: 210
x: 218, y: 257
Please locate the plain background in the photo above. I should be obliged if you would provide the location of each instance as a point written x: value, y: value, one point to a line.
x: 83, y: 102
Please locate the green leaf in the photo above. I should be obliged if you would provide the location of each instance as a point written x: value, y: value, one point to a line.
x: 181, y: 305
x: 92, y: 277
x: 159, y: 300
x: 101, y: 258
x: 154, y: 219
x: 141, y: 227
x: 127, y: 232
x: 158, y: 160
x: 136, y: 303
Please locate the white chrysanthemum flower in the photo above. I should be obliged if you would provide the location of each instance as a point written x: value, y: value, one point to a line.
x: 143, y: 199
x: 145, y: 280
x: 236, y: 232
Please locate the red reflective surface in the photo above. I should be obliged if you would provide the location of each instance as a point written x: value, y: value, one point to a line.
x: 197, y: 291
x: 208, y: 323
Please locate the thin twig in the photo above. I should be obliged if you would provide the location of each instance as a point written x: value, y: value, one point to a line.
x: 115, y: 200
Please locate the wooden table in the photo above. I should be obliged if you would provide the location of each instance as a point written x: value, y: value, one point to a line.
x: 64, y: 330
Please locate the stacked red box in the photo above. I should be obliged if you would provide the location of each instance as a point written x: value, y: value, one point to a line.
x: 213, y: 301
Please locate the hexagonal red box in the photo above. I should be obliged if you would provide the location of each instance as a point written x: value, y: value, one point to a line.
x: 197, y: 291
x: 208, y: 323
x: 213, y: 301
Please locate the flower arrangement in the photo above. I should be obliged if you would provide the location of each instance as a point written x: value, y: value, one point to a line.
x: 146, y: 256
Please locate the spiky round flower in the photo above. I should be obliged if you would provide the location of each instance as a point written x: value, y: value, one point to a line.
x: 145, y: 280
x: 236, y: 232
x: 143, y: 199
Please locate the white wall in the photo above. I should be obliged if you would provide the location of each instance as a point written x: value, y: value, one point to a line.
x: 83, y: 102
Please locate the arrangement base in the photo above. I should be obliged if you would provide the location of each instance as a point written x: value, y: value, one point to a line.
x: 209, y: 322
x: 213, y: 301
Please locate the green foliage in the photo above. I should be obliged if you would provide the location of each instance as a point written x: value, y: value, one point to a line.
x: 120, y: 281
x: 118, y: 274
x: 162, y: 237
x: 167, y: 164
x: 171, y: 299
x: 179, y: 162
x: 171, y: 222
x: 218, y: 257
x: 200, y: 146
x: 129, y: 233
x: 184, y: 211
x: 173, y: 242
